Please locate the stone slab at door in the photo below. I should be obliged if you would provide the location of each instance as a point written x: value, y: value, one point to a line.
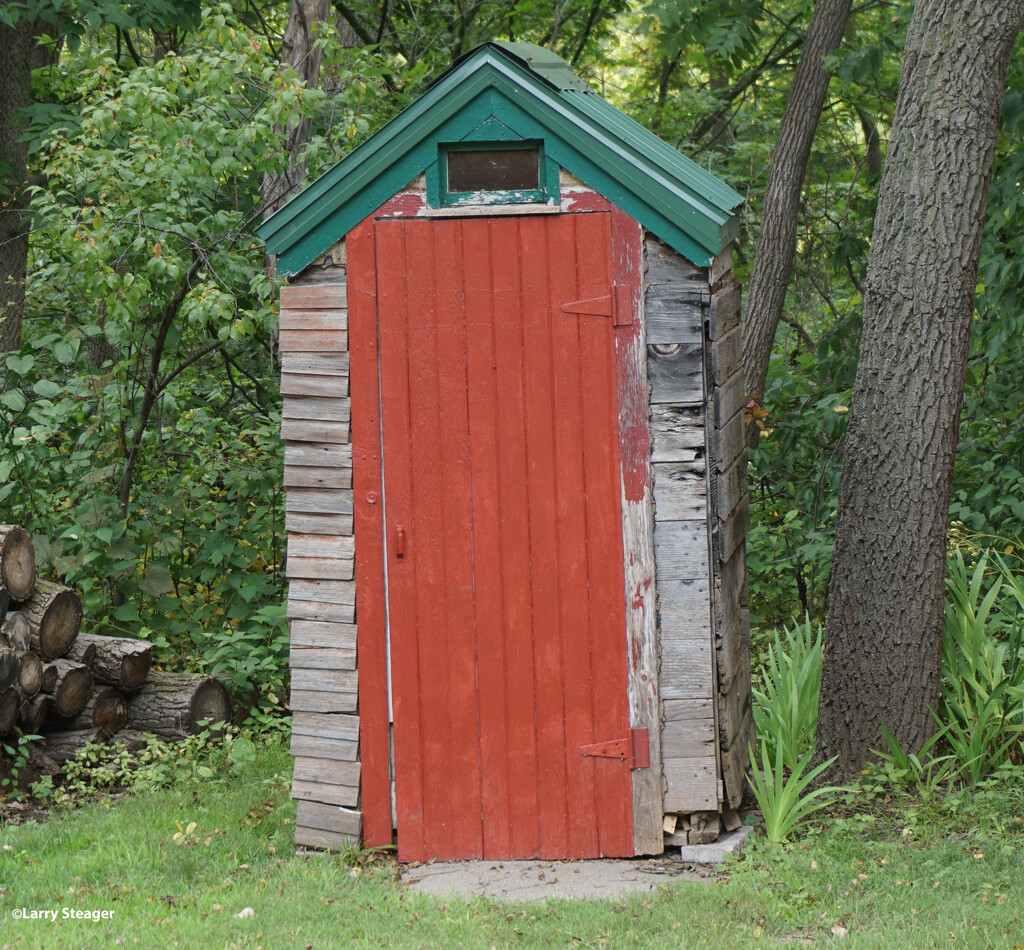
x: 502, y: 534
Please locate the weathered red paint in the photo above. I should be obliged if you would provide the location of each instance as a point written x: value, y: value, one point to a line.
x: 509, y: 437
x: 371, y: 629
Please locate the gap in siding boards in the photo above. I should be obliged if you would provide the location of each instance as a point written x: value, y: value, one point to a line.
x: 676, y: 296
x: 318, y: 520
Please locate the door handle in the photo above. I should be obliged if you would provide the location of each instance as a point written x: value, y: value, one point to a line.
x: 399, y: 540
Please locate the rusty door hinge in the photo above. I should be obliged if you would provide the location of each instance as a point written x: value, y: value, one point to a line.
x: 615, y: 305
x: 633, y: 748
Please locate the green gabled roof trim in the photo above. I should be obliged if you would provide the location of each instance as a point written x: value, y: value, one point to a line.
x: 670, y: 195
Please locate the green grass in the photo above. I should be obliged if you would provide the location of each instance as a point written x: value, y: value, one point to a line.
x: 947, y: 875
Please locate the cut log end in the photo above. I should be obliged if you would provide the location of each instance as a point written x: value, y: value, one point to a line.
x: 117, y: 661
x: 72, y: 689
x: 30, y: 674
x: 17, y: 561
x: 17, y: 631
x: 55, y: 614
x: 174, y: 705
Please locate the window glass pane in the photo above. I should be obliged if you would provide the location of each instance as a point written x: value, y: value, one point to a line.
x: 507, y: 169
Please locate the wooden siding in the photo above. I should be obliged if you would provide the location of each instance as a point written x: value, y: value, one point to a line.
x: 675, y: 303
x: 730, y: 518
x: 321, y: 552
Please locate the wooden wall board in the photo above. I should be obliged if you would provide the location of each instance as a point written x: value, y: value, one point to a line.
x: 322, y: 635
x: 676, y: 373
x: 304, y: 523
x: 324, y: 771
x: 298, y: 342
x: 319, y: 546
x: 728, y: 441
x: 339, y: 750
x: 677, y: 433
x: 328, y: 818
x: 680, y: 490
x: 308, y: 700
x: 689, y: 738
x: 326, y: 408
x: 306, y: 837
x: 324, y: 569
x: 319, y: 454
x: 314, y: 430
x: 691, y: 784
x: 323, y: 320
x: 318, y: 297
x: 329, y: 793
x: 314, y: 364
x: 312, y: 610
x: 304, y: 384
x: 312, y: 658
x: 681, y: 548
x: 308, y: 476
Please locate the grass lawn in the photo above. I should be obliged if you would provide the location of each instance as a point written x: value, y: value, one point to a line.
x: 949, y: 875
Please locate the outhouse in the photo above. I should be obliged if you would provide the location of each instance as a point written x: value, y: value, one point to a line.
x: 515, y: 472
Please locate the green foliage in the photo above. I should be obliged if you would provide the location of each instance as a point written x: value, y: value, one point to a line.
x: 786, y: 796
x: 193, y: 762
x: 786, y: 704
x: 19, y: 752
x: 923, y: 772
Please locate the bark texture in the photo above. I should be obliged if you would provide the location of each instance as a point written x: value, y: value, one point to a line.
x: 299, y: 52
x: 16, y: 45
x: 882, y: 655
x: 776, y: 241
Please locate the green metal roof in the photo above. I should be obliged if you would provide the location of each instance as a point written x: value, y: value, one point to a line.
x: 534, y: 95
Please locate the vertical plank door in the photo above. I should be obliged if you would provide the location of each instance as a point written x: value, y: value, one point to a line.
x: 503, y: 535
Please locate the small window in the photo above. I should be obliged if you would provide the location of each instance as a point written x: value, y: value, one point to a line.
x: 504, y: 174
x: 499, y: 169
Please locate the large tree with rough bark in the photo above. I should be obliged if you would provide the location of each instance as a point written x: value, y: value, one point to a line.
x: 882, y: 655
x: 780, y: 210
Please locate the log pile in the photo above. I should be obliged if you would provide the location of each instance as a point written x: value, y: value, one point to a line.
x: 73, y: 687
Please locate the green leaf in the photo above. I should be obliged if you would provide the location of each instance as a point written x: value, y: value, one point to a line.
x: 13, y: 399
x: 20, y: 365
x: 156, y: 580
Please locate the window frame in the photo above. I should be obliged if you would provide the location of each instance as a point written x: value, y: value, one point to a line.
x: 547, y: 175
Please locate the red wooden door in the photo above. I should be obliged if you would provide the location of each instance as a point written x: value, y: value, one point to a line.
x: 503, y: 537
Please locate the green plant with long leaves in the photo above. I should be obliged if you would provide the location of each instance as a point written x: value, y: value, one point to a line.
x: 982, y: 704
x: 924, y: 771
x: 787, y: 797
x: 786, y: 702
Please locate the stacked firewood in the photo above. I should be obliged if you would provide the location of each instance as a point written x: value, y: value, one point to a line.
x: 74, y: 687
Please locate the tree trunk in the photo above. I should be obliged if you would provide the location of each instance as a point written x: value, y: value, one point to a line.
x: 5, y: 600
x: 16, y: 53
x: 72, y: 689
x: 174, y: 704
x: 17, y: 561
x: 776, y: 240
x: 118, y: 661
x: 105, y: 710
x: 882, y: 654
x: 55, y: 616
x: 298, y: 52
